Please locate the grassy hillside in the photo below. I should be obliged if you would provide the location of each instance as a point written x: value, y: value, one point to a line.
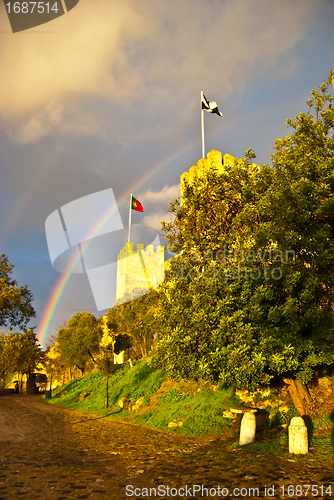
x: 198, y: 408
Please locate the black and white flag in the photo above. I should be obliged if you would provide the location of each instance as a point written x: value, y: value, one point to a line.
x: 210, y: 106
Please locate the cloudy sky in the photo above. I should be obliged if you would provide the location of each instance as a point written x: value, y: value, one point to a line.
x: 108, y: 96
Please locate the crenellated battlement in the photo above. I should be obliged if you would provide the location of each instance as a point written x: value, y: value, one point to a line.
x: 214, y: 159
x: 138, y: 271
x: 143, y: 269
x: 128, y: 250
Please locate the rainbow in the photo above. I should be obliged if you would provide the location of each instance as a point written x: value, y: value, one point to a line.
x: 63, y: 281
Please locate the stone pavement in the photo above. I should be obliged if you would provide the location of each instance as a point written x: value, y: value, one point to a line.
x: 49, y: 452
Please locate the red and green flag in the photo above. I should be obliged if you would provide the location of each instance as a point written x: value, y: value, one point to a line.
x: 136, y: 205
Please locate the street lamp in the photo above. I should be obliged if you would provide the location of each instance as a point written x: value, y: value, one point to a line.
x: 52, y: 366
x: 48, y: 393
x: 107, y: 354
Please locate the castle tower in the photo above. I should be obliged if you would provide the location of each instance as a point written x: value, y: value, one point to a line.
x: 138, y: 271
x: 214, y: 159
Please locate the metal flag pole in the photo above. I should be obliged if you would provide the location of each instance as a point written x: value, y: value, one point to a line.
x: 202, y: 126
x: 130, y: 208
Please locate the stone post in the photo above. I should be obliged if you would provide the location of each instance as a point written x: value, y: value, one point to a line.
x: 247, y: 429
x: 298, y: 443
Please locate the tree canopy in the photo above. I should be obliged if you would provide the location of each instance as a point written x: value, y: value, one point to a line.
x: 249, y: 294
x: 79, y: 340
x: 132, y: 324
x: 19, y: 353
x: 15, y: 301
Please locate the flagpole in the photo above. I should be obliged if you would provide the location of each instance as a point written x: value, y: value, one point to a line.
x: 129, y: 217
x: 202, y: 126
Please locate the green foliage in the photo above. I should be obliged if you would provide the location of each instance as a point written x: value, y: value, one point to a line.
x: 277, y: 420
x: 19, y: 353
x: 249, y: 294
x: 132, y: 324
x: 79, y: 340
x: 6, y: 378
x: 15, y: 302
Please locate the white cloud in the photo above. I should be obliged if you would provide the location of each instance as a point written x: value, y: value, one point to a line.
x: 166, y: 195
x: 80, y: 56
x: 142, y: 58
x: 155, y: 219
x: 45, y: 76
x: 159, y: 198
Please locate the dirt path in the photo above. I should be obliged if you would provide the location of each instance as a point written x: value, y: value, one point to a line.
x: 48, y: 452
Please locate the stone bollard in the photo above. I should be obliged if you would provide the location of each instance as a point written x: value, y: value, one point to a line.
x: 247, y: 429
x: 298, y: 443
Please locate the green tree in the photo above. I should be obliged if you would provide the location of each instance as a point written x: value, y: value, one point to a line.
x: 298, y: 214
x: 133, y: 323
x: 6, y: 371
x: 53, y: 365
x: 78, y: 342
x: 15, y: 302
x: 205, y: 329
x: 249, y: 295
x: 19, y: 353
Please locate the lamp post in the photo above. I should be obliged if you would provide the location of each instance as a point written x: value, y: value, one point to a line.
x: 107, y: 353
x: 48, y: 393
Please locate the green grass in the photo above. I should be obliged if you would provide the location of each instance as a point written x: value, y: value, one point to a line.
x: 323, y: 446
x: 323, y: 421
x: 201, y: 412
x: 278, y: 418
x: 276, y: 447
x: 68, y: 394
x: 198, y: 408
x: 134, y: 383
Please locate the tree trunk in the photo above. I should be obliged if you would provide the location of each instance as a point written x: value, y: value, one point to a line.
x: 299, y: 394
x: 137, y: 357
x: 31, y: 383
x: 91, y: 355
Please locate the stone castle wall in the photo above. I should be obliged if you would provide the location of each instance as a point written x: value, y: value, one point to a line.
x: 138, y: 271
x: 214, y: 159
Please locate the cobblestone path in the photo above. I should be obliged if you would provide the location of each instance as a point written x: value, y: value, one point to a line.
x: 48, y: 452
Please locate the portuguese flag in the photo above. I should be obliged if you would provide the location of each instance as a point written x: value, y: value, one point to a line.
x: 136, y: 205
